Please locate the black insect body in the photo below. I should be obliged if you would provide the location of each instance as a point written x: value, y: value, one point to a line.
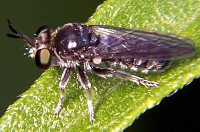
x: 83, y: 47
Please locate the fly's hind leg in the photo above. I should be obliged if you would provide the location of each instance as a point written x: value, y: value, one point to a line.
x: 64, y: 80
x: 135, y: 79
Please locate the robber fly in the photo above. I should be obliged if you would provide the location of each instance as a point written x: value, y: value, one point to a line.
x: 85, y: 47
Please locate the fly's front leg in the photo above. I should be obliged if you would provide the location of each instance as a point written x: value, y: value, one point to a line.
x: 64, y: 80
x: 135, y: 79
x: 87, y: 86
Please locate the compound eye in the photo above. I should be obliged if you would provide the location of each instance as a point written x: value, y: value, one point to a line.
x: 43, y: 59
x: 42, y: 29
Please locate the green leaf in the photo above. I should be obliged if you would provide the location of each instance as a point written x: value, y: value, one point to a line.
x: 117, y: 102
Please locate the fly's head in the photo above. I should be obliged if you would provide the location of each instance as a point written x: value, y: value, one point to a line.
x: 41, y: 49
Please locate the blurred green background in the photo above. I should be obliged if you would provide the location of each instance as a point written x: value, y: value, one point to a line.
x: 18, y: 72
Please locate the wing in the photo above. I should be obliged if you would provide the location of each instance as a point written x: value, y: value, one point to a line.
x: 121, y: 43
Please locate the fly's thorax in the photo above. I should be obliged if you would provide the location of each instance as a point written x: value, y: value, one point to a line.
x: 74, y: 44
x: 70, y: 39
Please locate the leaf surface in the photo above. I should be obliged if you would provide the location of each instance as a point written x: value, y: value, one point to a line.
x: 117, y: 102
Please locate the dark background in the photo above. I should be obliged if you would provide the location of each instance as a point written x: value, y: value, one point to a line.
x: 18, y: 72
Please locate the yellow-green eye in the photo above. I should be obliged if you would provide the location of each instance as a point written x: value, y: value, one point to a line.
x: 43, y: 59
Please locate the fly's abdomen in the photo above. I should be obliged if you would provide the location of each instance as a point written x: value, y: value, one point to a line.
x: 143, y: 66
